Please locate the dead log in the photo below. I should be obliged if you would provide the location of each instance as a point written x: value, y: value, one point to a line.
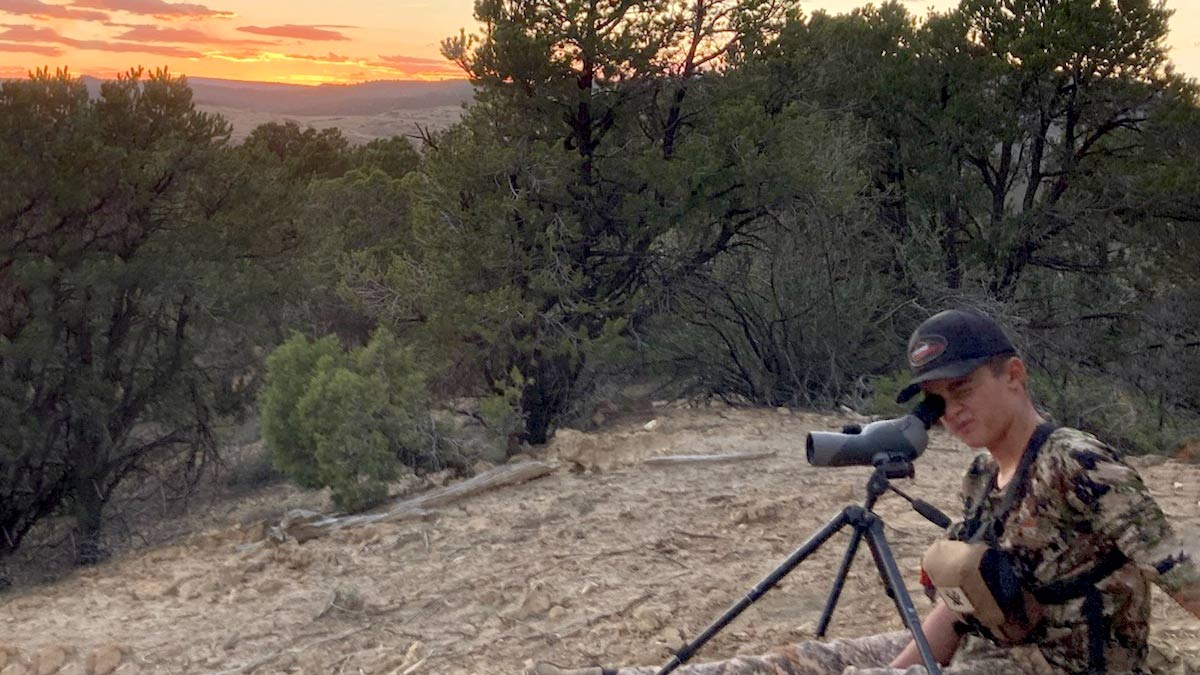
x: 671, y: 460
x: 421, y: 505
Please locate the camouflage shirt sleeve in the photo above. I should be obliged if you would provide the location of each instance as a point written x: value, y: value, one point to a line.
x: 1110, y: 496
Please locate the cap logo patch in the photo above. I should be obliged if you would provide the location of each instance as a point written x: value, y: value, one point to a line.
x: 926, y: 349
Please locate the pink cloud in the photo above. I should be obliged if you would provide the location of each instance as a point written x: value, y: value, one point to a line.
x: 415, y: 62
x: 156, y: 8
x: 36, y: 34
x: 44, y: 50
x: 27, y: 33
x: 415, y: 66
x: 295, y: 31
x: 13, y: 72
x: 188, y: 35
x: 42, y: 10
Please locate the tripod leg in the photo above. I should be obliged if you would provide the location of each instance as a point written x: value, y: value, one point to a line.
x: 894, y: 581
x: 806, y: 549
x: 838, y: 582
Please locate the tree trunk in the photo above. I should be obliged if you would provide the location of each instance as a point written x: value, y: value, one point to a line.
x: 89, y: 511
x: 951, y: 243
x: 545, y: 398
x: 87, y: 497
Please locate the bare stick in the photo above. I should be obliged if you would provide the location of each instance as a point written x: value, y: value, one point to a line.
x: 671, y: 460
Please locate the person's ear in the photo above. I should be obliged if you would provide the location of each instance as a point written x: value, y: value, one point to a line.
x: 1015, y: 371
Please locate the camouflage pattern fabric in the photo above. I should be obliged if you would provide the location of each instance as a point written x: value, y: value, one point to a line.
x: 855, y: 656
x: 1082, y: 502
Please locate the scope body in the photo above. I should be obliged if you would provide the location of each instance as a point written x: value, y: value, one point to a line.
x: 900, y: 439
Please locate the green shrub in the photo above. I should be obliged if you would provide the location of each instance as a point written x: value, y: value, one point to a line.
x: 352, y: 420
x: 290, y: 369
x: 1128, y: 420
x: 884, y: 388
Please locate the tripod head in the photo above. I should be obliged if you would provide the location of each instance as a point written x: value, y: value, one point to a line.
x: 881, y: 481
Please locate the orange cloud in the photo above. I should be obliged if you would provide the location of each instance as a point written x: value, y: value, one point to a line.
x: 188, y: 35
x: 44, y: 50
x: 156, y: 8
x: 410, y: 64
x: 295, y: 31
x: 13, y: 72
x: 42, y: 10
x: 35, y: 34
x: 259, y: 56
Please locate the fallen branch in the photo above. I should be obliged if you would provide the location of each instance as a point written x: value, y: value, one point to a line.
x: 304, y: 525
x: 504, y: 475
x: 671, y: 460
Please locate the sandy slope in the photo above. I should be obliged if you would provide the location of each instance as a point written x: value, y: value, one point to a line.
x: 356, y: 128
x: 606, y: 560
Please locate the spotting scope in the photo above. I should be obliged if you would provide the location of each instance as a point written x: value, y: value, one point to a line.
x: 900, y: 439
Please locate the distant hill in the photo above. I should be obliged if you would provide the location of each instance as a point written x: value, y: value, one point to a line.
x: 362, y: 111
x: 368, y: 98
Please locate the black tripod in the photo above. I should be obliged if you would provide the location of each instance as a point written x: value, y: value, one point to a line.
x: 865, y: 523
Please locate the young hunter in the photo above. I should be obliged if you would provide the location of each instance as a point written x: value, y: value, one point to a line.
x: 1048, y: 571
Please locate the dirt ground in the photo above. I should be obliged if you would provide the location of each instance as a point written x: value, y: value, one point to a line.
x: 606, y: 560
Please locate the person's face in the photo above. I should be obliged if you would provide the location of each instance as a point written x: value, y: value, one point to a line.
x: 981, y: 405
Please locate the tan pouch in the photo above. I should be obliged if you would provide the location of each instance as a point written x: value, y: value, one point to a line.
x: 957, y: 569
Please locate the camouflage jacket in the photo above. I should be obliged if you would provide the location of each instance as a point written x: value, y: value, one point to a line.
x: 1080, y: 503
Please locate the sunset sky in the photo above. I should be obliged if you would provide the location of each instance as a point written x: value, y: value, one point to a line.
x: 303, y: 41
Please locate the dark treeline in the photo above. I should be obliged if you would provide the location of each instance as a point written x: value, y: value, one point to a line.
x: 724, y: 195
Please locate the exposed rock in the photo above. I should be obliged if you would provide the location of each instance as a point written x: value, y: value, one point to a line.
x: 8, y: 655
x: 105, y: 660
x: 50, y: 660
x: 650, y: 618
x: 300, y: 525
x: 535, y: 602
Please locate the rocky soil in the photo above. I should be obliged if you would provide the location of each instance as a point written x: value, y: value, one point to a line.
x: 606, y: 560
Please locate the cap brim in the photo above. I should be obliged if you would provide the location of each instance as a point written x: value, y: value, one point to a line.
x: 946, y: 372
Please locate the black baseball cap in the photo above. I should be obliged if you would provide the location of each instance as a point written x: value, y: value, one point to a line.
x: 950, y: 344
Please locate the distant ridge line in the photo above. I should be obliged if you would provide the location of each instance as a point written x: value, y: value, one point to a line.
x: 365, y: 98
